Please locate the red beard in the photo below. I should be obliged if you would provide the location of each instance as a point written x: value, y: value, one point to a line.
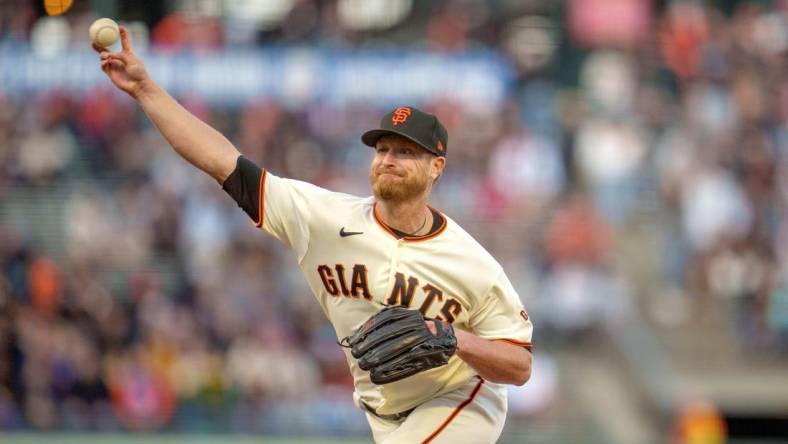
x: 397, y: 189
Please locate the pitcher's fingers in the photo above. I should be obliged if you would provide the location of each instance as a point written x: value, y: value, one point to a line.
x: 112, y: 63
x: 125, y: 57
x: 99, y: 49
x: 125, y: 41
x: 120, y: 57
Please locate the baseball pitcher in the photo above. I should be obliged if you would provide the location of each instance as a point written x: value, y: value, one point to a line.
x: 431, y: 327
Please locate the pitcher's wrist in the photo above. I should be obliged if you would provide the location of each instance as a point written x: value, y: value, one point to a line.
x: 145, y: 88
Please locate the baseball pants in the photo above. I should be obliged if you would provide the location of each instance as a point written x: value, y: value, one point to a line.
x: 472, y: 414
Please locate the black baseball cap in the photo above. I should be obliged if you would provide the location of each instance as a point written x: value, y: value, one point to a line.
x: 414, y: 124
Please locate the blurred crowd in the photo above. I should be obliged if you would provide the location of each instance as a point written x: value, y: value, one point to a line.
x: 163, y: 303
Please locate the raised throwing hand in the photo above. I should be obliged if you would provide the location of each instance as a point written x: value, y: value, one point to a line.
x: 124, y: 68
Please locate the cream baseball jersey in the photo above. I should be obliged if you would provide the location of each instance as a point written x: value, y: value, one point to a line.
x: 355, y: 265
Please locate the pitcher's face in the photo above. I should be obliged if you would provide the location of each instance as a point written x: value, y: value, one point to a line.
x: 401, y: 170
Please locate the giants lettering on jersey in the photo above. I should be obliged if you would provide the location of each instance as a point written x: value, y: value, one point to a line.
x: 402, y: 293
x: 358, y: 281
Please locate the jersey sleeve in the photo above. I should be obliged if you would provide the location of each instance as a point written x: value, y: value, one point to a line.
x: 286, y: 207
x: 501, y: 315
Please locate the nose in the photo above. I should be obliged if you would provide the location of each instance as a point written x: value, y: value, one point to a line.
x: 388, y: 159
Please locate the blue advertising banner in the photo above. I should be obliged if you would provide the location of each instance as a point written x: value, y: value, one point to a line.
x: 292, y: 75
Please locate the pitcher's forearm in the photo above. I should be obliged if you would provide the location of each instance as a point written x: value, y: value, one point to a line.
x: 193, y: 139
x: 495, y: 361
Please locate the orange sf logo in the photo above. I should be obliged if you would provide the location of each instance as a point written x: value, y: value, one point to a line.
x: 401, y: 114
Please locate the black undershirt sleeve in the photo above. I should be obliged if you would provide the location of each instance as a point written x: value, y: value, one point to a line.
x: 243, y: 185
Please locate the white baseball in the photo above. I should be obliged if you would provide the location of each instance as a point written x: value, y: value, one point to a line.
x: 104, y: 32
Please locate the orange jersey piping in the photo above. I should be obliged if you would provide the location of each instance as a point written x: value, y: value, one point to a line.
x: 527, y: 345
x: 411, y: 238
x: 454, y: 413
x: 261, y: 203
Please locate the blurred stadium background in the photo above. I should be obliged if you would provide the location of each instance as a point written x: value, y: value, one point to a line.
x: 626, y: 161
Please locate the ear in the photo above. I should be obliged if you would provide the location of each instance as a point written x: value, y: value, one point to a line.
x: 436, y: 167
